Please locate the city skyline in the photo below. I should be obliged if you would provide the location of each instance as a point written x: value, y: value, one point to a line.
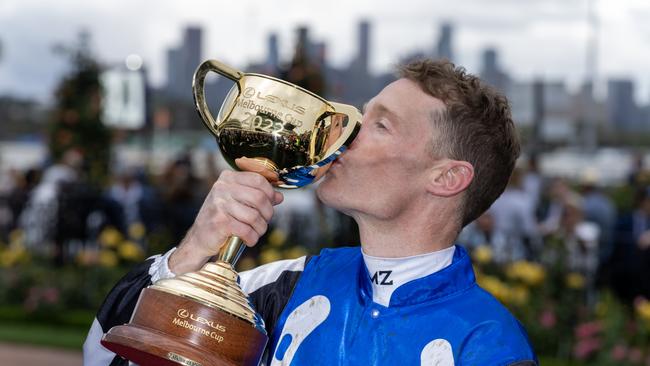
x: 541, y: 39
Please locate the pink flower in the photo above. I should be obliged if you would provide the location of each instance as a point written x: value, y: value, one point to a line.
x: 586, y: 330
x: 547, y: 319
x: 36, y: 296
x: 32, y: 299
x: 635, y: 355
x: 639, y: 300
x: 586, y: 347
x: 51, y: 295
x: 619, y: 352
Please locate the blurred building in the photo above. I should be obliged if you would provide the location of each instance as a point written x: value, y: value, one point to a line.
x: 544, y: 107
x: 357, y: 83
x: 320, y: 54
x: 520, y: 95
x: 444, y: 46
x: 304, y: 42
x: 22, y: 118
x: 622, y: 111
x: 273, y: 54
x: 492, y: 72
x: 589, y: 114
x: 361, y: 60
x: 175, y: 100
x: 182, y: 61
x: 644, y: 113
x: 558, y: 125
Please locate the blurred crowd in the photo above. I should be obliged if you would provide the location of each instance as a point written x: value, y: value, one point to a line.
x: 606, y: 240
x: 604, y: 232
x: 60, y: 213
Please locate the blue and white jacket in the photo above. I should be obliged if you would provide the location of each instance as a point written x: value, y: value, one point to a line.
x: 325, y: 310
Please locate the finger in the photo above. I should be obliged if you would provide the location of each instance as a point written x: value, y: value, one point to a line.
x: 253, y: 180
x: 244, y: 232
x: 248, y: 216
x: 278, y: 198
x: 254, y: 198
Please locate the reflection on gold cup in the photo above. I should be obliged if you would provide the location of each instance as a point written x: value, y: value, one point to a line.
x: 267, y: 118
x: 268, y: 126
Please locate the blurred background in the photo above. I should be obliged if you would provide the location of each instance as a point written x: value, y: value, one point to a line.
x: 104, y: 161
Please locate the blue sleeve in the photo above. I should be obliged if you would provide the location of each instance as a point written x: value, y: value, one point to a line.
x: 498, y: 343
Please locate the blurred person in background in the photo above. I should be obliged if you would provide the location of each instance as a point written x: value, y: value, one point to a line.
x: 25, y: 182
x: 482, y: 232
x: 580, y: 239
x: 533, y: 182
x: 182, y: 193
x: 9, y: 181
x: 15, y: 189
x: 131, y: 201
x: 128, y: 193
x: 599, y: 209
x: 557, y: 194
x: 639, y: 176
x: 514, y: 219
x: 630, y: 265
x: 40, y: 216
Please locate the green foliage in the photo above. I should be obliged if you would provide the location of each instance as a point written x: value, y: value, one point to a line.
x: 76, y: 121
x: 44, y: 305
x: 623, y: 197
x: 45, y: 335
x: 56, y: 295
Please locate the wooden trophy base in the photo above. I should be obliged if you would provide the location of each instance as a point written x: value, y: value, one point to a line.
x: 171, y: 330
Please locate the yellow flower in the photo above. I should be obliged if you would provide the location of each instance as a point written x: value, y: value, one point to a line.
x: 295, y: 252
x: 245, y: 264
x: 482, y: 254
x: 16, y: 236
x: 14, y: 254
x: 107, y: 258
x: 5, y: 260
x: 277, y: 237
x: 518, y: 295
x: 575, y: 280
x: 601, y: 309
x: 130, y: 251
x: 269, y: 255
x: 494, y: 286
x: 529, y: 273
x: 87, y: 257
x: 642, y: 308
x: 110, y: 237
x: 137, y: 231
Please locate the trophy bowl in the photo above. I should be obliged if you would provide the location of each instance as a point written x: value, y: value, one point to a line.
x: 265, y: 125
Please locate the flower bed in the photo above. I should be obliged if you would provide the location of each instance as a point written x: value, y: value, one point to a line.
x: 565, y: 317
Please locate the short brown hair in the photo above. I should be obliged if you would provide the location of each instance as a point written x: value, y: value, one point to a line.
x: 476, y: 126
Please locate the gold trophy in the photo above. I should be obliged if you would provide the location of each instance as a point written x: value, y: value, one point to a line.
x: 265, y: 125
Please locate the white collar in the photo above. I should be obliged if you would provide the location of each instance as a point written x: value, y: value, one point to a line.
x: 387, y: 274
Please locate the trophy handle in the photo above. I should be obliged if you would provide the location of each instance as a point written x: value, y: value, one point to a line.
x: 354, y: 117
x: 198, y: 87
x: 234, y: 246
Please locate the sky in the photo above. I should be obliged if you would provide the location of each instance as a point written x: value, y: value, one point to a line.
x: 535, y: 38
